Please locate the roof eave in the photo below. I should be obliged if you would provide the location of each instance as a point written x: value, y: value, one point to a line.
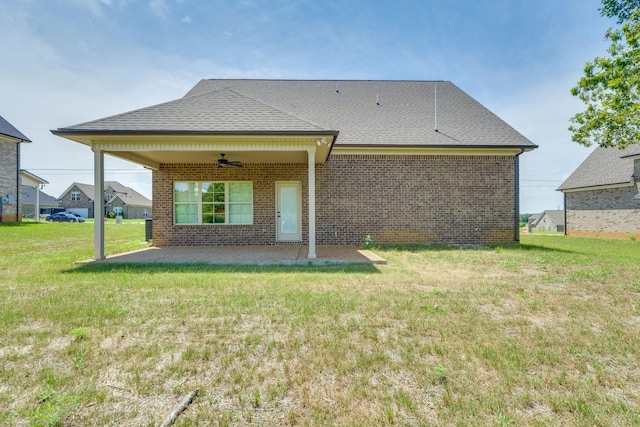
x: 514, y: 149
x: 69, y: 131
x: 526, y: 146
x: 14, y: 138
x: 595, y: 187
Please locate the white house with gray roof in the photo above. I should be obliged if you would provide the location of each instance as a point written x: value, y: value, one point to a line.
x: 326, y: 162
x: 602, y: 196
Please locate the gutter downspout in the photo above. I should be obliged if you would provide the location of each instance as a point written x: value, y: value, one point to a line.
x: 18, y: 182
x: 516, y: 218
x: 565, y: 212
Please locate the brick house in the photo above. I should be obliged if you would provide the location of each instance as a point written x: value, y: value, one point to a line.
x: 602, y: 196
x: 10, y: 140
x: 118, y: 200
x: 323, y: 162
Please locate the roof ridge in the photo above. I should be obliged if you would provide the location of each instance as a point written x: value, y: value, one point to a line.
x: 331, y: 80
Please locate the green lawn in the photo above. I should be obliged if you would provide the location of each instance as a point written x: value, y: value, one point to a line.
x: 545, y: 333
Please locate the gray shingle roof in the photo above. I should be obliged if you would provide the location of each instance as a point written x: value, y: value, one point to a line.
x: 219, y: 110
x: 8, y: 129
x: 87, y: 189
x: 127, y: 194
x: 404, y: 114
x: 557, y: 216
x: 28, y: 197
x: 604, y: 166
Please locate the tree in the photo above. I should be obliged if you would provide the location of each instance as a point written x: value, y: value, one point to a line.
x: 611, y: 86
x: 622, y: 9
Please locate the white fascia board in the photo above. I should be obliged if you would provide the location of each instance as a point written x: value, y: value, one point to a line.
x: 598, y: 187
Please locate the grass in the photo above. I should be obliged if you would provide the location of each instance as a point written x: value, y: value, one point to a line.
x: 544, y: 333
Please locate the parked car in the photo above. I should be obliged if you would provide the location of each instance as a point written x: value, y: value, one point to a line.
x: 64, y: 217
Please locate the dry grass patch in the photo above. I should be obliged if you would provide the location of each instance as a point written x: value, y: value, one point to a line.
x: 541, y: 334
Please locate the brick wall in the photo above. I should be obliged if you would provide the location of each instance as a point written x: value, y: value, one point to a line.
x: 608, y: 213
x: 421, y: 199
x: 8, y: 178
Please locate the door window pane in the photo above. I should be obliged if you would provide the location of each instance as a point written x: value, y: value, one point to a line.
x: 288, y: 210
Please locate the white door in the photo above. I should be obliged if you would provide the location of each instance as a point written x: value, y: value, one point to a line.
x: 288, y: 212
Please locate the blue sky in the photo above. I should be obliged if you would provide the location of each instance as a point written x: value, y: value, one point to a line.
x: 69, y: 61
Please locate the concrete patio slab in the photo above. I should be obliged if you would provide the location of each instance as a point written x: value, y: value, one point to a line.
x: 248, y: 255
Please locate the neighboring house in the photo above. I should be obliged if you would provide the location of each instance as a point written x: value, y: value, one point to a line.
x: 47, y: 204
x: 125, y: 201
x: 325, y: 162
x: 601, y: 196
x: 10, y: 140
x: 549, y: 221
x: 532, y: 219
x: 32, y: 199
x: 118, y: 200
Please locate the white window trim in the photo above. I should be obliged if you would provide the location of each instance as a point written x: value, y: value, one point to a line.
x: 199, y: 202
x: 75, y: 196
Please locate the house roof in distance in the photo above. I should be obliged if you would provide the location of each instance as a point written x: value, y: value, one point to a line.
x: 127, y: 194
x: 557, y: 216
x: 87, y: 189
x: 8, y: 130
x: 604, y: 166
x: 363, y: 112
x: 28, y: 197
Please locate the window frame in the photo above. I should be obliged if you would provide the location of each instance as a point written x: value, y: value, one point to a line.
x: 75, y: 196
x: 199, y: 202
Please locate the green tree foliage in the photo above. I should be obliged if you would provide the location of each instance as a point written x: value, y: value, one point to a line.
x: 621, y: 9
x: 611, y: 85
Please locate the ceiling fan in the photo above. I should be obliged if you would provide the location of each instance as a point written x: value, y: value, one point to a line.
x: 222, y: 162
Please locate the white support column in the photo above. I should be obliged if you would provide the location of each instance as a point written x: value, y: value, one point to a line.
x: 36, y: 214
x: 312, y: 202
x: 98, y: 204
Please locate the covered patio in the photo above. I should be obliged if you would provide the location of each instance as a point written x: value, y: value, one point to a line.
x: 203, y: 130
x: 294, y: 254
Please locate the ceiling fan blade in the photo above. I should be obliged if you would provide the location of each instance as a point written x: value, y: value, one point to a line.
x: 222, y: 162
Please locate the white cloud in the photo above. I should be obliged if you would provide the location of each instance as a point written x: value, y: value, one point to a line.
x: 95, y: 7
x: 160, y: 8
x: 186, y: 20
